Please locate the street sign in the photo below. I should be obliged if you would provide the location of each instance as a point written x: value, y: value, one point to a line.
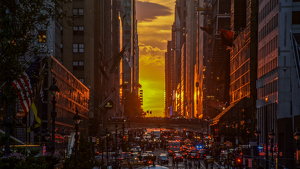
x: 227, y: 143
x: 109, y: 105
x: 93, y: 139
x: 253, y: 143
x: 250, y: 162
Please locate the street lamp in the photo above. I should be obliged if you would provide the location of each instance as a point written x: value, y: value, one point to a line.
x: 116, y: 126
x: 53, y: 89
x: 103, y: 135
x: 272, y: 135
x: 297, y: 138
x: 266, y: 133
x: 77, y: 120
x: 107, y: 136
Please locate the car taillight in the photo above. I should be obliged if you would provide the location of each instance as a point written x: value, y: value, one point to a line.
x: 181, y: 157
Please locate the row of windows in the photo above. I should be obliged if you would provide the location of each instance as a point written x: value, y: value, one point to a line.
x: 267, y: 89
x: 78, y: 30
x: 268, y: 48
x: 78, y: 48
x: 267, y: 67
x: 78, y: 63
x: 269, y: 27
x: 243, y: 69
x: 244, y: 91
x: 267, y: 9
x: 78, y: 11
x: 240, y: 82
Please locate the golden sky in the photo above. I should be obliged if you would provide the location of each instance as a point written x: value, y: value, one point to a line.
x: 155, y: 18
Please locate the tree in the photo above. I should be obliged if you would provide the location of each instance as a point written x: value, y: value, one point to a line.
x: 20, y: 22
x: 85, y: 156
x: 132, y: 105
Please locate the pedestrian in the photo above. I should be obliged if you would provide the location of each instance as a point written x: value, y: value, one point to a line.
x: 185, y: 164
x: 196, y: 164
x: 190, y: 165
x: 219, y: 165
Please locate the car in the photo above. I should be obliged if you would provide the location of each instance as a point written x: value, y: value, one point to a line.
x: 178, y: 157
x: 209, y: 159
x: 134, y: 157
x: 150, y: 153
x: 202, y: 154
x: 193, y: 156
x: 163, y: 159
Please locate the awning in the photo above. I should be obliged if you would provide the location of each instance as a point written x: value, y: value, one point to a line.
x: 217, y: 118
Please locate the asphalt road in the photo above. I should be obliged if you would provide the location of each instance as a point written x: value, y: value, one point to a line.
x: 181, y: 165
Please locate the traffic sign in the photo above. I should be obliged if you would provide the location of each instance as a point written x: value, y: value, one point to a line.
x: 93, y: 139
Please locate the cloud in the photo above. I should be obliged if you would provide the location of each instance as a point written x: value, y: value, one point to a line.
x: 147, y: 11
x: 152, y: 56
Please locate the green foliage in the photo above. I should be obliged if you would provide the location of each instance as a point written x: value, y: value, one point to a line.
x: 85, y: 156
x: 132, y: 105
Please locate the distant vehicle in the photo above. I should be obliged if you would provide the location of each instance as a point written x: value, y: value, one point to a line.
x: 177, y: 138
x: 178, y: 157
x: 156, y: 133
x: 202, y: 154
x: 150, y: 153
x: 137, y: 139
x: 174, y: 145
x: 134, y: 157
x: 163, y: 159
x: 209, y: 159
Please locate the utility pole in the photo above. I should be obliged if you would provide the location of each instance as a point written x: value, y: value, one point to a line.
x: 8, y: 114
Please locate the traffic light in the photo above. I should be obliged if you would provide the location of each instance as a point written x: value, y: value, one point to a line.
x: 97, y: 141
x: 239, y: 161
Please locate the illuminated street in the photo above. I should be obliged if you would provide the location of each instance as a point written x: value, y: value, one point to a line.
x: 134, y: 84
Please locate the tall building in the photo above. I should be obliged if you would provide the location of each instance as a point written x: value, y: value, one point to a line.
x: 129, y: 71
x: 88, y: 50
x: 277, y: 81
x: 191, y: 54
x: 169, y: 64
x: 179, y: 39
x: 216, y: 58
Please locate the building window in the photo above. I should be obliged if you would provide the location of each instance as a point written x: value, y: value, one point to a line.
x: 78, y: 30
x: 75, y: 63
x: 81, y: 28
x: 81, y: 48
x: 75, y: 48
x: 78, y: 65
x: 295, y: 17
x: 75, y: 11
x: 81, y: 63
x: 61, y: 45
x: 80, y: 11
x: 42, y: 36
